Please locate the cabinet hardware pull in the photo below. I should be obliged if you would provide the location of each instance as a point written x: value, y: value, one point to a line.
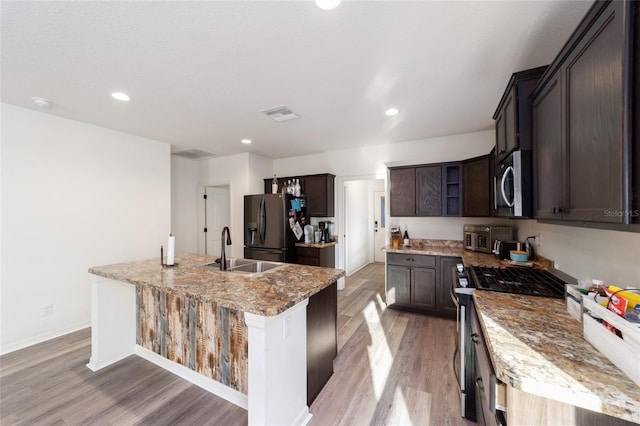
x: 410, y: 259
x: 474, y: 338
x: 479, y: 383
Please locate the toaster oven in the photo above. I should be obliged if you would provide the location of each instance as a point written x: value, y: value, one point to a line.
x: 481, y: 237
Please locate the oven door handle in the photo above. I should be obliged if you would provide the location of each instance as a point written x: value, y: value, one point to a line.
x: 457, y: 303
x: 504, y: 195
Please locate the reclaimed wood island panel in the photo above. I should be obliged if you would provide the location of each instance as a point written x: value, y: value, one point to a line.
x: 203, y: 337
x: 242, y: 337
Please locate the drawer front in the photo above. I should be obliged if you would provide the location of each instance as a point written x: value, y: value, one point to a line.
x: 418, y: 260
x: 311, y: 261
x: 307, y: 252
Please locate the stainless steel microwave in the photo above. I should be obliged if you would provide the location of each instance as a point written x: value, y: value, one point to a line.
x: 513, y: 186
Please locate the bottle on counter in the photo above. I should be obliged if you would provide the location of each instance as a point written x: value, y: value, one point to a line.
x: 405, y: 238
x: 274, y: 185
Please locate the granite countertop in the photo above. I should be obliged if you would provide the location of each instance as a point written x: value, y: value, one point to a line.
x: 469, y: 258
x: 317, y: 245
x: 454, y: 248
x: 538, y: 348
x: 268, y: 293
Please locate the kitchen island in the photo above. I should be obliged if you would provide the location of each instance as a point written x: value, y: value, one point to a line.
x: 538, y: 352
x: 240, y: 336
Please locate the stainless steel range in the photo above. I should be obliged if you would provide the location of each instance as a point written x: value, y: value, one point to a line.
x: 531, y: 282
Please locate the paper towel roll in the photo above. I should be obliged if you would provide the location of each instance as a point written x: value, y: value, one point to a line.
x: 171, y: 250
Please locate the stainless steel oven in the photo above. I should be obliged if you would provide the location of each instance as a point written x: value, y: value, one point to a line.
x: 463, y: 364
x: 513, y: 186
x: 469, y: 366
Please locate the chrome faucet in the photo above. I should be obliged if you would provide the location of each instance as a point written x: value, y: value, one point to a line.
x: 223, y: 257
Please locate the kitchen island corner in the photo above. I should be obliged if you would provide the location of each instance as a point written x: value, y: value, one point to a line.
x: 240, y: 336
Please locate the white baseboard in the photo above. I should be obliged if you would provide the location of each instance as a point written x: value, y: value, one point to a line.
x: 34, y: 340
x: 94, y: 366
x: 210, y: 385
x: 303, y: 418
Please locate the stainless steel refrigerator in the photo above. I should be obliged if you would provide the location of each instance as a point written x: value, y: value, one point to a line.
x: 271, y: 222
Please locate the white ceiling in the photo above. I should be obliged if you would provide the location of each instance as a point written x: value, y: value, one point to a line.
x: 199, y: 73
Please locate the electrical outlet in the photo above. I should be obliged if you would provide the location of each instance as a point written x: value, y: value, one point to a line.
x: 538, y: 240
x: 47, y: 309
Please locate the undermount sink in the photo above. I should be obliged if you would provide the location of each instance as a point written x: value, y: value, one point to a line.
x: 245, y: 266
x: 258, y: 266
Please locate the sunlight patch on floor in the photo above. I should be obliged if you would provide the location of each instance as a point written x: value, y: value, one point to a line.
x: 399, y: 414
x: 380, y: 357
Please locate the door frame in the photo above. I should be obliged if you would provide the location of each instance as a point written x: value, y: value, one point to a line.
x: 340, y: 206
x: 201, y: 211
x: 378, y: 228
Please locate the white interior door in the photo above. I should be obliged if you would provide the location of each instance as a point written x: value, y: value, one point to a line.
x: 216, y: 217
x: 357, y: 225
x: 379, y: 226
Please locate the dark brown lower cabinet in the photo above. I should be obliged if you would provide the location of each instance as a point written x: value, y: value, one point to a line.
x: 423, y: 286
x: 421, y: 283
x: 322, y: 339
x: 398, y: 285
x: 317, y: 256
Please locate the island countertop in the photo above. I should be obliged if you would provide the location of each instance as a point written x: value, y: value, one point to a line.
x: 536, y: 347
x: 267, y: 293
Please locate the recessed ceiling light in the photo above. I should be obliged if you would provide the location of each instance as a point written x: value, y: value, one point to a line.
x: 327, y: 4
x: 42, y: 102
x: 246, y: 141
x: 121, y: 96
x: 391, y: 112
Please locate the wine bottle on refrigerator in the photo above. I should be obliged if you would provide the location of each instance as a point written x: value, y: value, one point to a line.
x: 297, y: 188
x: 274, y: 185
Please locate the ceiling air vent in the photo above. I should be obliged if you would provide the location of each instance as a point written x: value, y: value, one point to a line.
x: 280, y: 113
x: 194, y: 154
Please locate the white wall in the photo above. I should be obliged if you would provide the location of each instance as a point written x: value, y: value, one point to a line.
x: 185, y: 200
x: 374, y: 160
x: 584, y: 253
x: 357, y: 224
x: 371, y: 163
x: 243, y: 173
x: 74, y: 196
x: 581, y: 252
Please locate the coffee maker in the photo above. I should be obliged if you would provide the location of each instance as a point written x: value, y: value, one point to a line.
x: 324, y: 232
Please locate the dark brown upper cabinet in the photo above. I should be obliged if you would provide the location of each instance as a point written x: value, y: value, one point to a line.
x: 429, y: 190
x: 426, y: 190
x: 513, y: 116
x: 547, y: 155
x: 402, y: 191
x: 476, y: 193
x: 581, y: 119
x: 452, y: 189
x: 317, y: 189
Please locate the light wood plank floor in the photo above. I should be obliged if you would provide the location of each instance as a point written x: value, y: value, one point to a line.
x: 392, y: 368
